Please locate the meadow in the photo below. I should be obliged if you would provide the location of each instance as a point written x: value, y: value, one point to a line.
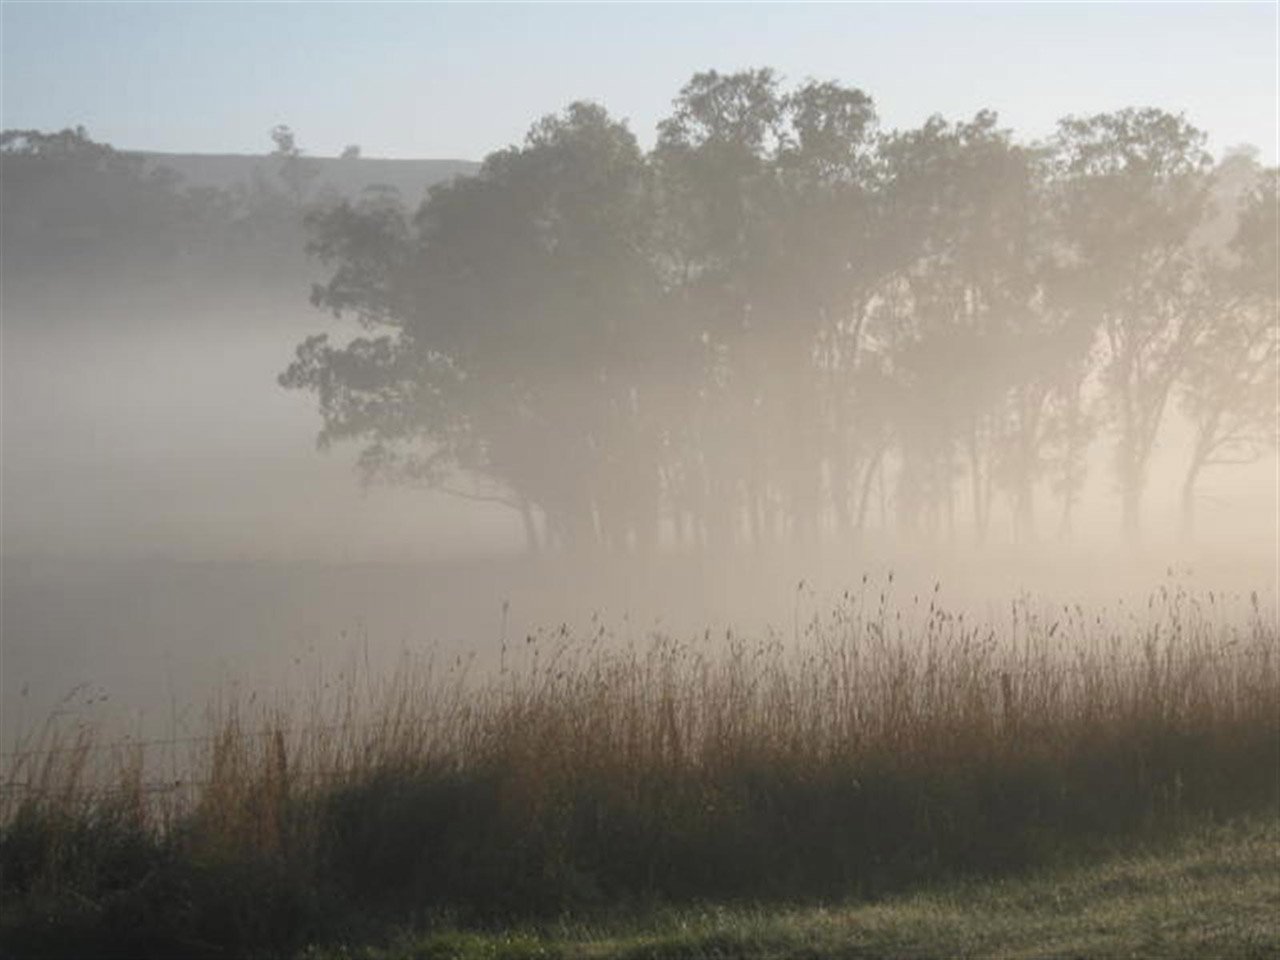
x: 877, y: 749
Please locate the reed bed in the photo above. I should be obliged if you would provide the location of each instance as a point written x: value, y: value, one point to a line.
x: 872, y: 748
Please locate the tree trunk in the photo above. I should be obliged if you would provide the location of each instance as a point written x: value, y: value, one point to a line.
x: 1189, y: 501
x: 1024, y: 510
x: 981, y: 514
x: 873, y: 471
x: 1131, y: 505
x: 532, y: 543
x: 1206, y: 432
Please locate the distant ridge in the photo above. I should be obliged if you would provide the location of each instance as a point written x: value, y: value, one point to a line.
x: 347, y: 177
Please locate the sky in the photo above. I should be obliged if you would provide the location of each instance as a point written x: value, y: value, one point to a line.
x: 457, y: 81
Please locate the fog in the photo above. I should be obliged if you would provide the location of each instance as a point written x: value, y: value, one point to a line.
x: 708, y: 386
x: 128, y: 436
x: 132, y: 437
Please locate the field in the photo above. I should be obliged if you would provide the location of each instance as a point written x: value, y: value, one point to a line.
x: 856, y: 788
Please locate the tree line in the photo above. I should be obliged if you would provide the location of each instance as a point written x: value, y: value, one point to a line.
x: 72, y: 208
x: 782, y: 323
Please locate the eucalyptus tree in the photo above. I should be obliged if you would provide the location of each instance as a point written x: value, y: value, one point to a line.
x: 1229, y: 387
x: 1072, y: 422
x: 961, y: 324
x: 1135, y: 189
x: 294, y: 170
x: 816, y: 288
x: 510, y: 327
x: 764, y: 219
x: 736, y: 333
x: 712, y: 177
x: 71, y: 206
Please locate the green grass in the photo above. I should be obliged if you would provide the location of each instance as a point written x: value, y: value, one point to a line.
x: 1213, y: 893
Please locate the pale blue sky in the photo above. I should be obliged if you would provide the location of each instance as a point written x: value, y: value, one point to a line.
x: 459, y: 80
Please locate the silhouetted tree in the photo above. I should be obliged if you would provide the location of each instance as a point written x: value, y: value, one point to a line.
x: 738, y: 337
x: 964, y: 325
x: 1136, y: 189
x: 765, y: 237
x: 292, y: 169
x: 515, y: 332
x: 1229, y: 388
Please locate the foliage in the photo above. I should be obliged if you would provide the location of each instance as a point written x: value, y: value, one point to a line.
x: 735, y: 338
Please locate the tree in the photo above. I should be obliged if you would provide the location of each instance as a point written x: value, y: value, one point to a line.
x: 1135, y: 190
x: 735, y: 338
x: 295, y: 172
x: 963, y: 326
x: 73, y: 206
x: 762, y: 197
x: 514, y: 333
x: 1229, y: 387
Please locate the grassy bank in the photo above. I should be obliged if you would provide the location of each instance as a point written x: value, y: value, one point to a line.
x: 875, y: 750
x: 1214, y: 892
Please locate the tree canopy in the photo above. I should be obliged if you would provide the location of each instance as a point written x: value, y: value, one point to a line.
x: 781, y: 315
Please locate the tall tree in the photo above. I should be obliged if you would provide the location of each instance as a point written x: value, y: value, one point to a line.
x: 513, y: 317
x: 714, y: 181
x: 1135, y: 189
x: 764, y: 222
x: 964, y: 328
x: 1229, y: 388
x: 737, y: 337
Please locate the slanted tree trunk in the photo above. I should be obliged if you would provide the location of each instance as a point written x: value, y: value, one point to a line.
x: 1189, y: 502
x: 1206, y: 432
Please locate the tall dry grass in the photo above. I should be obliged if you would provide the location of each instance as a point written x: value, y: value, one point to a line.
x: 875, y: 747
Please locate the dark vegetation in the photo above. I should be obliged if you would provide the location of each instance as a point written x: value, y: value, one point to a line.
x: 880, y: 750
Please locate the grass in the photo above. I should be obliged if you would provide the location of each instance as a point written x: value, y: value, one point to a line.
x: 1214, y: 892
x: 878, y: 749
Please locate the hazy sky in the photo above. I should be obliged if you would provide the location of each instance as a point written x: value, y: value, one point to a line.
x: 459, y: 80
